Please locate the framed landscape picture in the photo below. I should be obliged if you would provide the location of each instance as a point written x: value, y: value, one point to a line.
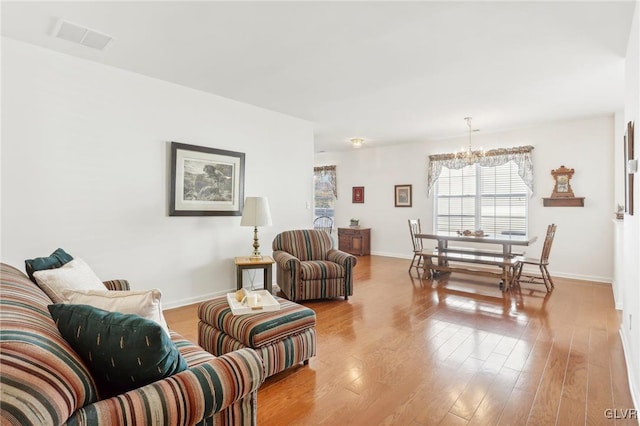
x: 205, y: 181
x: 357, y: 194
x: 402, y: 195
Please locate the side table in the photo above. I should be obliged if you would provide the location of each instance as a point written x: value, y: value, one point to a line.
x: 245, y: 262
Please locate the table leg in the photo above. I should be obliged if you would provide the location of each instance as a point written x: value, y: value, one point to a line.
x: 507, y: 275
x: 442, y: 248
x: 238, y: 277
x: 267, y: 279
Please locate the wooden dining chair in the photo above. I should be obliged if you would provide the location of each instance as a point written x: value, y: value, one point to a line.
x: 542, y: 263
x: 418, y: 260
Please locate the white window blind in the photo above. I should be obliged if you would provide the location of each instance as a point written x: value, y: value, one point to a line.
x: 494, y: 199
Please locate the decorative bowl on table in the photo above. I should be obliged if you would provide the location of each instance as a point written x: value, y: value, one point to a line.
x: 469, y: 233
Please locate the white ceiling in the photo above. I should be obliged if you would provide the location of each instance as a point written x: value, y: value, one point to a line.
x: 390, y: 72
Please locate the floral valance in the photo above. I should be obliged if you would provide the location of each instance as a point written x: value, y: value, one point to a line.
x: 521, y: 155
x: 331, y: 171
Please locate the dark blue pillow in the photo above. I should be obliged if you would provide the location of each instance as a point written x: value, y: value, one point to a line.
x: 55, y: 260
x: 122, y: 351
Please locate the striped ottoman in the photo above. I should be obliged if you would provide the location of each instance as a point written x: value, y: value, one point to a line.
x: 282, y: 338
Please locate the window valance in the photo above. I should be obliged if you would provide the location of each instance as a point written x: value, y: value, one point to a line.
x: 521, y: 155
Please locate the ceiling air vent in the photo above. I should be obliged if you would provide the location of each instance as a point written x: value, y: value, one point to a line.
x: 82, y: 35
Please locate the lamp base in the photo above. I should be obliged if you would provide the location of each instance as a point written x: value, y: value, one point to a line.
x: 256, y: 245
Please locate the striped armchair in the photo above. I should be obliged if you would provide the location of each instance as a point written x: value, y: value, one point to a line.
x: 309, y: 268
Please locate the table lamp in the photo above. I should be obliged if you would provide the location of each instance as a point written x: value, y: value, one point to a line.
x: 256, y: 213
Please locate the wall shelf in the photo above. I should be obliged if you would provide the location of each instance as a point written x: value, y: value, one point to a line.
x: 564, y: 202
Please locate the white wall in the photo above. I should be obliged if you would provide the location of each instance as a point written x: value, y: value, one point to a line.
x: 630, y: 328
x: 583, y: 244
x: 85, y: 167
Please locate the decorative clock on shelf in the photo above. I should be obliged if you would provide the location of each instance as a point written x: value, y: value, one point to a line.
x: 562, y: 195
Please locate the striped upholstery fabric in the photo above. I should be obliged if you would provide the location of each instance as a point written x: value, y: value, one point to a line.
x: 191, y: 397
x: 258, y: 329
x: 305, y: 244
x: 308, y: 268
x: 117, y: 285
x: 283, y: 338
x: 43, y: 382
x: 276, y: 357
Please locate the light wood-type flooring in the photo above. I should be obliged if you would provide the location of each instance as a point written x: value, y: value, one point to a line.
x: 457, y: 351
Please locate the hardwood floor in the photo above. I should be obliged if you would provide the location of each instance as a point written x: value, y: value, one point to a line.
x: 406, y: 351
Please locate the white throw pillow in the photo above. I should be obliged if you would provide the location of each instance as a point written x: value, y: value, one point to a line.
x: 75, y: 275
x: 145, y: 303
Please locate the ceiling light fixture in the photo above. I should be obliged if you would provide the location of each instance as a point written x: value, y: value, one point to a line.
x: 356, y: 142
x: 469, y: 155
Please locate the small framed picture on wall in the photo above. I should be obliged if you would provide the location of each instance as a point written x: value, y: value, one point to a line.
x: 402, y: 195
x: 357, y: 194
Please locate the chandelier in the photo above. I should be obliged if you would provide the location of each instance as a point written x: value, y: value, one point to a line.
x: 469, y: 155
x: 356, y: 142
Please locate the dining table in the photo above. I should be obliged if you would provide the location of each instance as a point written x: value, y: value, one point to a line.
x: 478, y: 254
x: 507, y: 241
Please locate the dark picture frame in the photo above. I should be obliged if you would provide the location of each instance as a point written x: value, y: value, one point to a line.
x: 403, y: 195
x: 357, y: 194
x: 628, y: 178
x: 205, y: 181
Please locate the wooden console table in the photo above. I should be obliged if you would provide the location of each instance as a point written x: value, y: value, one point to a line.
x: 355, y: 240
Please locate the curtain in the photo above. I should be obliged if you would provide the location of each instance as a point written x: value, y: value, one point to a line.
x: 521, y: 155
x: 331, y: 172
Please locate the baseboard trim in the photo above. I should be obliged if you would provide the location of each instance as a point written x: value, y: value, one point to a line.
x: 195, y: 299
x: 634, y: 388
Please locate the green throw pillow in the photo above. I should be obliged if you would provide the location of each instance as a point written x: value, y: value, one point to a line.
x: 55, y: 260
x: 123, y: 351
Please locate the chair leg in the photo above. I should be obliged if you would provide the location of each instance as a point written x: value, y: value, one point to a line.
x: 412, y: 262
x: 513, y: 271
x: 544, y: 278
x: 517, y: 271
x: 548, y: 275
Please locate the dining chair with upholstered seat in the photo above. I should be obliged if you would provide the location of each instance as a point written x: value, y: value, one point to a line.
x: 418, y: 260
x: 542, y: 263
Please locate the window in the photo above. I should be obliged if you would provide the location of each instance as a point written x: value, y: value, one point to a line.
x: 325, y: 191
x: 492, y: 198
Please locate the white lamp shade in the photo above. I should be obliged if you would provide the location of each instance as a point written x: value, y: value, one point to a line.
x: 256, y: 212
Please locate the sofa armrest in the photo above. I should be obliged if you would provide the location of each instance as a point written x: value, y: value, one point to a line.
x: 188, y: 397
x: 342, y: 258
x: 117, y: 285
x: 286, y: 260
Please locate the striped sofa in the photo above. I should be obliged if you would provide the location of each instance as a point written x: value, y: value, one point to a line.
x: 44, y: 382
x: 309, y: 268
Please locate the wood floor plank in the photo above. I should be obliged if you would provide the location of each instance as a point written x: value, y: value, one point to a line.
x: 599, y: 396
x: 545, y: 406
x: 492, y: 405
x: 574, y: 393
x: 457, y: 350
